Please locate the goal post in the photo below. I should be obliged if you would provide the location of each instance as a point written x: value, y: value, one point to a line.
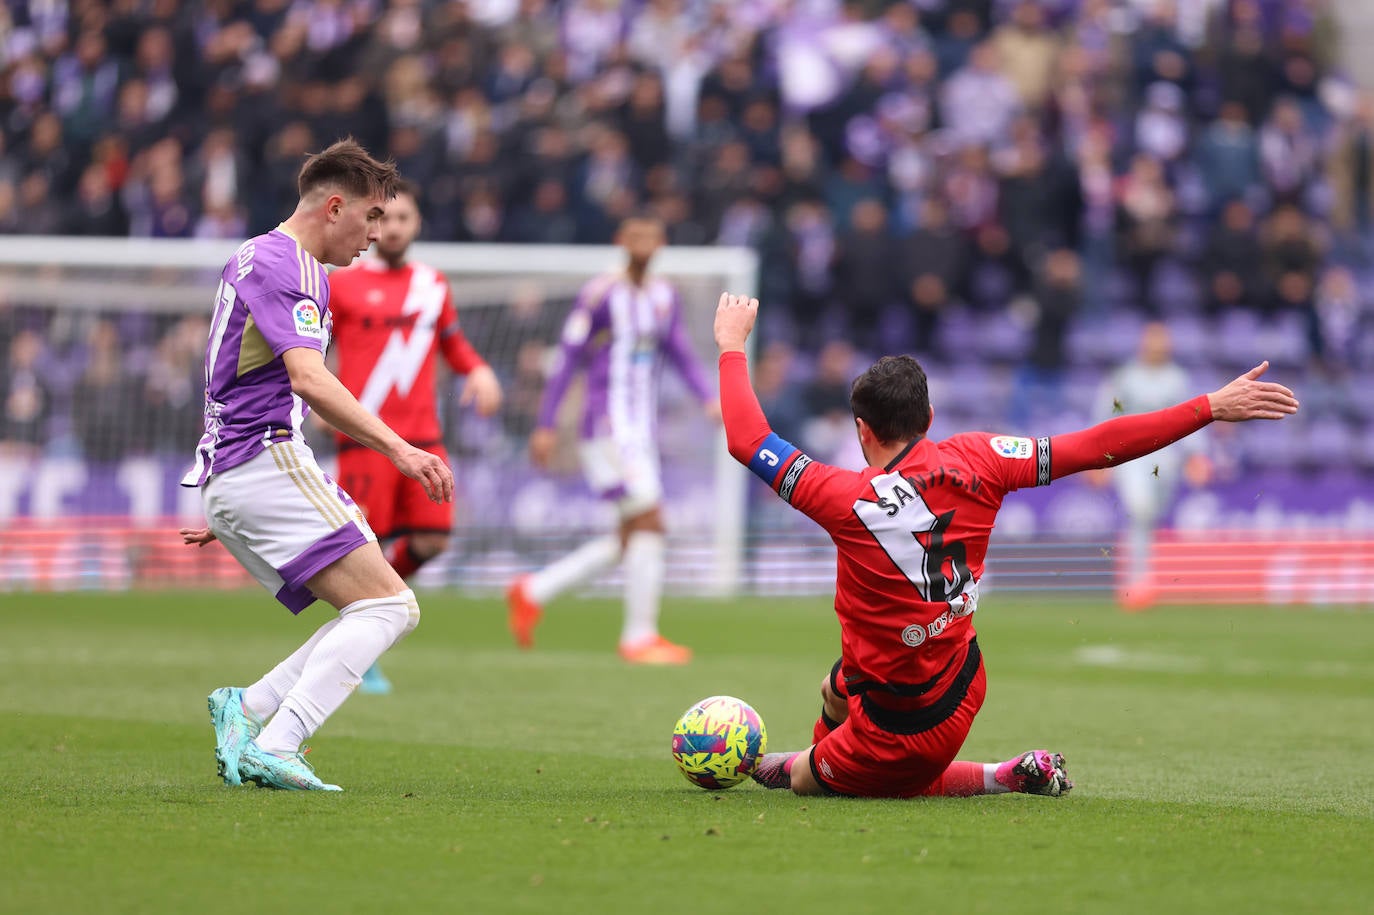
x: 101, y: 445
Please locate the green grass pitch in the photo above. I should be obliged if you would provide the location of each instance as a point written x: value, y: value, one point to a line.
x: 1224, y: 760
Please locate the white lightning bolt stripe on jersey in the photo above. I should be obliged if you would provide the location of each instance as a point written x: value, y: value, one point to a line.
x: 402, y: 359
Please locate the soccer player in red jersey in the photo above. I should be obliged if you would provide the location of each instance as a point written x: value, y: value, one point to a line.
x: 912, y: 532
x: 391, y: 317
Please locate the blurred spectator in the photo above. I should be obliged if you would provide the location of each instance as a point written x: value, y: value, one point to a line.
x: 1145, y: 217
x: 865, y: 274
x: 1246, y: 73
x: 1161, y: 126
x: 779, y: 395
x: 1027, y: 50
x: 1228, y: 156
x: 1290, y: 258
x: 107, y: 400
x: 1341, y: 318
x: 642, y: 121
x: 1289, y: 154
x: 933, y: 261
x: 1057, y: 295
x: 1040, y: 201
x: 1159, y: 53
x: 546, y: 219
x: 1350, y: 169
x: 25, y: 402
x: 811, y: 246
x: 829, y: 429
x: 978, y: 102
x: 1230, y: 269
x: 37, y: 211
x: 174, y: 387
x: 96, y: 209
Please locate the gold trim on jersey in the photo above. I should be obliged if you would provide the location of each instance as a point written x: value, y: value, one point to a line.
x: 288, y: 462
x: 254, y: 352
x: 310, y: 267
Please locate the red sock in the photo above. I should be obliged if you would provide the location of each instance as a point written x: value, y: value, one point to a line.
x: 824, y: 725
x: 403, y: 559
x: 961, y: 779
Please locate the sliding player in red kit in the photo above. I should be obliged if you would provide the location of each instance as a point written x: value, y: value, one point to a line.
x: 392, y: 318
x: 912, y: 533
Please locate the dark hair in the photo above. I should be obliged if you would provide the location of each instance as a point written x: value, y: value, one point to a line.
x: 892, y: 397
x: 348, y: 167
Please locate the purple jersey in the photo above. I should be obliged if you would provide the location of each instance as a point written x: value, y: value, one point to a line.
x: 618, y: 333
x: 273, y: 296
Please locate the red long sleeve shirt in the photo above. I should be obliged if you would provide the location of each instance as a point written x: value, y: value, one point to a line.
x: 912, y: 536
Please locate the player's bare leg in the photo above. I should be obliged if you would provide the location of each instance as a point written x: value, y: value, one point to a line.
x: 644, y: 563
x: 375, y: 611
x: 406, y: 555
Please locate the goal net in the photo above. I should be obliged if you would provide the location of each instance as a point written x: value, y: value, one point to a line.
x: 101, y: 342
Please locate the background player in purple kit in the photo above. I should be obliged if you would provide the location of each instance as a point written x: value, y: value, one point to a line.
x: 618, y: 333
x: 266, y: 499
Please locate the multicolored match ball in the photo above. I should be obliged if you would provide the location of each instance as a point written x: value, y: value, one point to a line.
x: 718, y: 742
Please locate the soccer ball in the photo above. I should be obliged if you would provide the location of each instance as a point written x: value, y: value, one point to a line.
x: 718, y: 741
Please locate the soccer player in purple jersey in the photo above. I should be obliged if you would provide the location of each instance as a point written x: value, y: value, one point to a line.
x: 291, y: 526
x: 622, y: 328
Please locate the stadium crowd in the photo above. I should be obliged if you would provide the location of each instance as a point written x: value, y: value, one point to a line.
x: 1016, y: 181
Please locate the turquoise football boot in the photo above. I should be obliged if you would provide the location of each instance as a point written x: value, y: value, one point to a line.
x: 285, y: 773
x: 234, y: 728
x: 375, y: 682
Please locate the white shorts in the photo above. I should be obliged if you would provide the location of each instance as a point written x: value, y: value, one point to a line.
x: 283, y: 519
x: 622, y: 473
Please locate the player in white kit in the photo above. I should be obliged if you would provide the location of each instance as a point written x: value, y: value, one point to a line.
x: 621, y: 330
x: 291, y: 526
x: 1150, y: 381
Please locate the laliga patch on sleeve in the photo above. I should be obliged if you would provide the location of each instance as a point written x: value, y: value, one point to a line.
x: 307, y: 318
x: 1011, y: 446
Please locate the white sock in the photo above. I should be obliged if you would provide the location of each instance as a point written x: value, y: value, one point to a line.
x: 577, y: 568
x: 365, y: 629
x: 644, y: 551
x: 262, y: 699
x: 990, y: 783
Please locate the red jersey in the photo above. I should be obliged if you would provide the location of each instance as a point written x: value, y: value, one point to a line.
x: 387, y: 326
x: 912, y: 536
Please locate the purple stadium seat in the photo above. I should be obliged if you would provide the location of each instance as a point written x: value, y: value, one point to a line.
x: 1265, y: 445
x: 1105, y: 341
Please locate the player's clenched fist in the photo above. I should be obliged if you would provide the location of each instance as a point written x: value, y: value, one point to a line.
x: 734, y: 320
x: 429, y: 470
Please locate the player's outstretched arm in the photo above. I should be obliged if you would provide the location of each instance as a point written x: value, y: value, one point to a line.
x: 1249, y: 398
x: 1126, y: 438
x: 326, y: 395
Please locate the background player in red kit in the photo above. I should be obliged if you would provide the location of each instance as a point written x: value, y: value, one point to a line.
x: 912, y: 532
x: 391, y: 317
